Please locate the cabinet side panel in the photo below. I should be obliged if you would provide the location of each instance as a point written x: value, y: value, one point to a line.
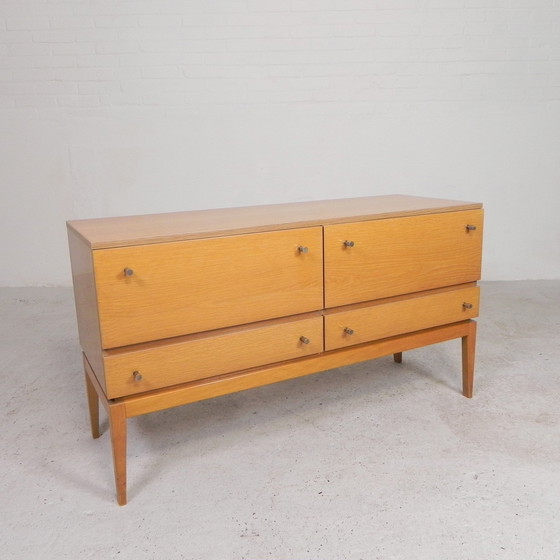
x: 86, y: 303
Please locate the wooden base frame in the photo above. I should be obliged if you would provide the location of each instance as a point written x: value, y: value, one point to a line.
x: 119, y: 410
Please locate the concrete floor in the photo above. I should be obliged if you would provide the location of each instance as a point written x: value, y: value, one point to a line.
x: 373, y: 461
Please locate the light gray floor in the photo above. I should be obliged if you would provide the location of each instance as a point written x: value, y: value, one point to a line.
x: 373, y: 461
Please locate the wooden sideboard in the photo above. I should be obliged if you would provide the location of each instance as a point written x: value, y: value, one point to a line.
x: 180, y: 307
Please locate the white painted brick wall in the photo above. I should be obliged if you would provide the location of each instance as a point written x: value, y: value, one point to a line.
x: 112, y: 107
x: 320, y: 48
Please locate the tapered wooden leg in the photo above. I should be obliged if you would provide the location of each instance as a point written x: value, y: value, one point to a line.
x: 117, y: 424
x: 398, y: 357
x: 468, y: 343
x: 93, y: 405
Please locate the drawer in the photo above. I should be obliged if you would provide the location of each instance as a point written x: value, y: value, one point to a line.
x: 185, y: 287
x: 397, y: 256
x: 167, y: 363
x: 383, y: 320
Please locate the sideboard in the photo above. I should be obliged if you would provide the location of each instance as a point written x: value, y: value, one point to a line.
x: 179, y: 307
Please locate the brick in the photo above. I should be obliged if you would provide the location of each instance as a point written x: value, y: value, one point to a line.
x: 245, y: 19
x: 267, y: 44
x: 507, y: 41
x: 441, y: 55
x: 554, y: 80
x: 116, y: 74
x: 185, y: 85
x: 121, y: 99
x: 33, y: 74
x: 438, y: 42
x: 451, y: 5
x: 20, y: 49
x: 142, y: 86
x: 116, y: 21
x: 96, y: 74
x: 509, y: 68
x: 55, y: 36
x: 240, y: 32
x: 538, y: 53
x: 75, y: 74
x: 71, y: 22
x: 542, y: 67
x: 39, y: 61
x: 78, y: 100
x: 220, y: 6
x: 395, y: 4
x: 73, y: 48
x: 533, y: 4
x: 314, y: 31
x: 97, y: 60
x: 381, y: 17
x: 34, y: 8
x: 487, y: 29
x: 161, y: 72
x: 325, y: 43
x: 267, y: 6
x: 204, y: 46
x: 35, y: 101
x: 55, y: 88
x: 28, y: 22
x: 163, y: 21
x: 98, y: 35
x: 486, y: 54
x: 122, y: 7
x: 204, y: 71
x: 484, y: 4
x: 98, y: 88
x: 546, y: 16
x: 355, y: 30
x: 7, y: 37
x: 118, y: 47
x: 164, y: 99
x: 152, y: 59
x: 7, y: 101
x: 18, y: 88
x: 335, y: 5
x: 529, y: 28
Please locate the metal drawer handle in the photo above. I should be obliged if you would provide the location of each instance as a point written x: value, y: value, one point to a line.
x: 303, y: 249
x: 348, y: 330
x: 137, y: 376
x: 349, y: 243
x: 128, y: 272
x: 467, y: 305
x: 470, y: 227
x: 304, y: 340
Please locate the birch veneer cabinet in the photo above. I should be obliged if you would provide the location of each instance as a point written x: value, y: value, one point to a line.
x: 180, y: 307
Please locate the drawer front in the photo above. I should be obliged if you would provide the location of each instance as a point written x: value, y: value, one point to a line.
x: 192, y: 286
x: 401, y: 255
x: 198, y: 357
x: 355, y: 326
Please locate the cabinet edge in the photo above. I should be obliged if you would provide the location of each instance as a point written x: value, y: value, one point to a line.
x: 85, y: 298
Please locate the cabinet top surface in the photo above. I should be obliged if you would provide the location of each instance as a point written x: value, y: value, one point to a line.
x: 102, y: 233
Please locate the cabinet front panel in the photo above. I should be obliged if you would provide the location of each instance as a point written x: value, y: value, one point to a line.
x: 383, y: 320
x: 199, y: 357
x: 383, y: 258
x: 164, y: 290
